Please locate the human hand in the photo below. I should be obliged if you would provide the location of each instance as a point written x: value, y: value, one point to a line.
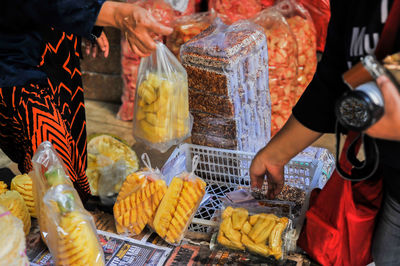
x: 388, y: 127
x: 101, y: 43
x: 265, y: 165
x: 140, y: 28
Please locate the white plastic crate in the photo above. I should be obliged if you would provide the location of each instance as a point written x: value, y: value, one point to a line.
x: 225, y: 170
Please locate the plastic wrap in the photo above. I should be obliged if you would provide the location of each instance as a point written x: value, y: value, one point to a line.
x: 186, y: 27
x: 234, y: 10
x: 109, y: 162
x: 14, y: 202
x: 12, y: 240
x: 72, y: 237
x: 229, y: 97
x: 162, y: 116
x: 164, y: 14
x: 320, y: 13
x: 138, y: 199
x: 23, y: 184
x: 179, y: 205
x: 282, y: 65
x: 182, y: 7
x: 259, y: 230
x: 65, y: 226
x: 302, y: 26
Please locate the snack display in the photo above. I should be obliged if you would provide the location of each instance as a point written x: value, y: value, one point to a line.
x: 3, y: 187
x: 227, y: 68
x: 161, y: 117
x: 138, y: 200
x: 23, y: 184
x: 109, y: 162
x: 72, y: 237
x: 178, y: 206
x: 282, y: 65
x: 185, y: 28
x: 234, y: 10
x: 302, y: 26
x: 259, y: 233
x: 14, y: 202
x: 12, y: 240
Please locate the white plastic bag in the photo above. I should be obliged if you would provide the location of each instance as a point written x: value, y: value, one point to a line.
x: 161, y: 116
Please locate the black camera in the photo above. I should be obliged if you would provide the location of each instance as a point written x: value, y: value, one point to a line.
x: 363, y: 106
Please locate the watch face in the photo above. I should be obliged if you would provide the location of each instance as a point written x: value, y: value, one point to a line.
x: 353, y: 112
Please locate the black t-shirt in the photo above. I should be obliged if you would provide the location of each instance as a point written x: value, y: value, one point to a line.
x: 353, y: 32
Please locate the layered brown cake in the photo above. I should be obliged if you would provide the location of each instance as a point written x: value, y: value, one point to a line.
x: 227, y: 70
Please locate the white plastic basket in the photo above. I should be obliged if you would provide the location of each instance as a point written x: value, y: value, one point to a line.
x: 225, y: 170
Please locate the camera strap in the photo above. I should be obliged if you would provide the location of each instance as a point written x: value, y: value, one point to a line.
x: 361, y: 169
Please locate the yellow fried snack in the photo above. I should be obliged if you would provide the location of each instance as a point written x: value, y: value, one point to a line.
x: 137, y: 203
x: 23, y: 184
x: 3, y: 187
x: 177, y: 207
x: 14, y: 202
x: 239, y: 217
x: 262, y: 228
x: 275, y: 238
x: 77, y: 244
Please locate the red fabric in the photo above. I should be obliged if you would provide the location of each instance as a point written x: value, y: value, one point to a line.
x: 340, y: 222
x: 320, y: 13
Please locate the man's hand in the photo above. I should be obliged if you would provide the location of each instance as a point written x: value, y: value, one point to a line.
x: 101, y: 43
x: 388, y: 127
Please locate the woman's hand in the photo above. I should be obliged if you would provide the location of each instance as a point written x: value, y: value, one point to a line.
x: 388, y: 127
x: 270, y: 161
x: 101, y: 43
x: 136, y: 23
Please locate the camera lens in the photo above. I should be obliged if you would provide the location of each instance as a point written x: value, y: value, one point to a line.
x: 361, y: 108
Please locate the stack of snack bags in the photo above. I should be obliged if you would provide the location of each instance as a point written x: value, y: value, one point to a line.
x: 179, y: 205
x: 12, y: 240
x: 23, y: 184
x: 138, y: 199
x: 282, y: 65
x: 161, y: 116
x: 66, y: 227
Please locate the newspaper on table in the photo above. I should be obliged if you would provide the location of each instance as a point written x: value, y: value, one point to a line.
x: 118, y: 250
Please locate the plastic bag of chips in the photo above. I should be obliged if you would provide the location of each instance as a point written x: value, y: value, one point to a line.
x: 302, y: 26
x: 282, y: 65
x: 234, y: 10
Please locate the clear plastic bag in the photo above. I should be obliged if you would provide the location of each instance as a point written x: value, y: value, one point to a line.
x: 282, y: 65
x: 109, y: 162
x: 227, y: 68
x: 12, y: 239
x: 259, y: 230
x: 234, y: 10
x: 161, y: 117
x: 71, y: 236
x: 186, y: 27
x: 179, y: 205
x: 66, y: 227
x: 302, y: 26
x: 138, y: 199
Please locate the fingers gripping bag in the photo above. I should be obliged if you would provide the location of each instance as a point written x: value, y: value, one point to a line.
x: 302, y: 26
x: 161, y: 117
x: 282, y: 65
x: 180, y: 203
x: 72, y: 237
x: 186, y: 27
x: 138, y: 199
x: 259, y: 230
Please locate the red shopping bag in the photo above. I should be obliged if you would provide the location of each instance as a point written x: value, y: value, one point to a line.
x: 341, y: 219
